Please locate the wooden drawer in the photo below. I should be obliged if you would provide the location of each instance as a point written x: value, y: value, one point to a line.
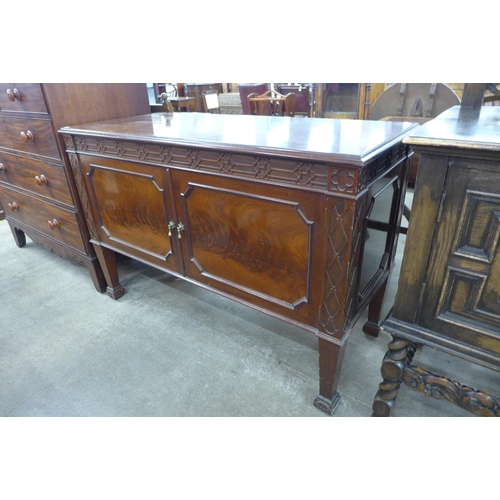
x: 22, y: 98
x: 37, y: 214
x: 30, y: 136
x: 44, y: 179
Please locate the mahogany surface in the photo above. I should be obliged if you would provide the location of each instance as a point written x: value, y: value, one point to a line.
x: 272, y: 212
x: 448, y: 292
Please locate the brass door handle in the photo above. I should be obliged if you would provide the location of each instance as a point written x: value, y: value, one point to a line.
x: 180, y: 228
x: 171, y: 225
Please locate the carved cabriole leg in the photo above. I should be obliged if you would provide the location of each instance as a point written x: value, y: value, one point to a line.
x: 19, y: 236
x: 396, y: 359
x: 330, y: 362
x: 107, y: 259
x: 372, y: 325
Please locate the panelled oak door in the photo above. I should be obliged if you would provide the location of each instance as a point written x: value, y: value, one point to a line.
x: 255, y: 245
x: 462, y: 293
x: 448, y: 295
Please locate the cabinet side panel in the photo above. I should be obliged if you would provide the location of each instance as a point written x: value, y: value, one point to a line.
x: 432, y: 171
x: 77, y: 103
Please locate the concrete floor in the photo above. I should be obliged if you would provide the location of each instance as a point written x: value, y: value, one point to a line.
x: 168, y: 348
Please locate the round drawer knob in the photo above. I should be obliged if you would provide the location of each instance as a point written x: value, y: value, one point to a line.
x: 14, y: 94
x: 13, y: 206
x: 53, y: 224
x: 2, y: 167
x: 27, y: 136
x: 41, y: 180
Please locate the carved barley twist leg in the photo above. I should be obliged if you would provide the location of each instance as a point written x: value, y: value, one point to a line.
x: 396, y: 359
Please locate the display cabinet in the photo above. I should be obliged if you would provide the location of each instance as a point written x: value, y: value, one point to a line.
x: 342, y: 100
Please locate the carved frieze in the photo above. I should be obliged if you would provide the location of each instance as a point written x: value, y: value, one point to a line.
x: 265, y: 168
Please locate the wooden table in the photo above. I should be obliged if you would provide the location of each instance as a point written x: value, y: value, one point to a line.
x: 189, y: 103
x: 272, y: 212
x: 449, y: 287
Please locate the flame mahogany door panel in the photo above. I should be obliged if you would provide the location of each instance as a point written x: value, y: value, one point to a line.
x: 133, y: 207
x: 253, y: 241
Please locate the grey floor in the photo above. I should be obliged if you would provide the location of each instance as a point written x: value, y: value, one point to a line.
x: 168, y: 348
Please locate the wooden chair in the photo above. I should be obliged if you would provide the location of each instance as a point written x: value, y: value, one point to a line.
x: 245, y: 89
x: 167, y: 105
x: 211, y: 101
x: 302, y: 98
x: 272, y: 103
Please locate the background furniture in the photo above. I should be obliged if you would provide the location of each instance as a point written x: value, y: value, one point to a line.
x: 272, y: 103
x: 211, y: 101
x: 342, y: 100
x: 413, y: 102
x: 245, y: 89
x: 478, y: 94
x: 276, y: 219
x: 448, y: 292
x: 166, y: 105
x: 188, y: 103
x: 196, y: 90
x: 36, y: 184
x: 303, y: 98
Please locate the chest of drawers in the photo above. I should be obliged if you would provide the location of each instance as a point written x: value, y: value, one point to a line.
x: 297, y: 218
x: 37, y: 188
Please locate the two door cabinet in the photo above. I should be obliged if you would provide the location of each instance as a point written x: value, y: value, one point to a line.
x: 293, y: 217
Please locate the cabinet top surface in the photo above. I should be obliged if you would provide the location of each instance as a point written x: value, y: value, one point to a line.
x: 306, y: 138
x: 463, y: 127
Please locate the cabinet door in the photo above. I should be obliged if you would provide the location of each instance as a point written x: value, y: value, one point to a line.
x: 462, y: 293
x: 133, y: 208
x: 251, y: 241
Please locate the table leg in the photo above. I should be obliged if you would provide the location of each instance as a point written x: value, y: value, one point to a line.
x: 96, y: 274
x: 372, y: 325
x: 107, y: 259
x: 330, y: 363
x: 19, y: 236
x: 396, y: 359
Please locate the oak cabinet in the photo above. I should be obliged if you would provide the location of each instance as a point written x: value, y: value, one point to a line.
x: 272, y: 212
x: 448, y: 295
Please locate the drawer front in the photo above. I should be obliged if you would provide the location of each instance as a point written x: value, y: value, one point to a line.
x: 44, y: 179
x: 22, y: 98
x: 37, y: 214
x: 30, y: 136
